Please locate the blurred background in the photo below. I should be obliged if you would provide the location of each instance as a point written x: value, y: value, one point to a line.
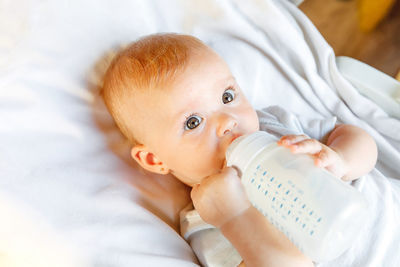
x: 367, y: 30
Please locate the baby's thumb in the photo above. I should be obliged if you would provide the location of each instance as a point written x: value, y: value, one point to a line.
x: 194, y: 191
x: 232, y: 170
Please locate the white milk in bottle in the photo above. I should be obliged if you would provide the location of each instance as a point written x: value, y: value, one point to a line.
x: 318, y: 212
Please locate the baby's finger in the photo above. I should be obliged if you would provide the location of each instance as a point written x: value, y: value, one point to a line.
x: 194, y: 191
x: 231, y: 170
x: 291, y: 139
x: 310, y: 146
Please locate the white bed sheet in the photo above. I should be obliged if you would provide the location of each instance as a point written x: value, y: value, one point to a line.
x: 62, y: 158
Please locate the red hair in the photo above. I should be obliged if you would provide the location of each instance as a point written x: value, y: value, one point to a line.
x: 150, y: 63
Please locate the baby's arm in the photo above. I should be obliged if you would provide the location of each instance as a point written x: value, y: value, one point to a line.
x: 356, y: 147
x: 221, y: 201
x: 349, y: 152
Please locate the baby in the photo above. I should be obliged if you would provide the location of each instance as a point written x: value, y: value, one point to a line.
x: 180, y: 107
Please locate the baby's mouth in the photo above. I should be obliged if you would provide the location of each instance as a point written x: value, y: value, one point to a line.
x: 235, y: 137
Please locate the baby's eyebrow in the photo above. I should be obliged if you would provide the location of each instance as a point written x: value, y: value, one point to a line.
x: 179, y: 116
x: 229, y: 79
x: 182, y: 112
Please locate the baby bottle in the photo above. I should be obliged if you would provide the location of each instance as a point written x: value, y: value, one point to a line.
x: 318, y: 212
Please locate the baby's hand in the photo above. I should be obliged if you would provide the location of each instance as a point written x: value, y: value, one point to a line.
x: 323, y: 155
x: 220, y: 197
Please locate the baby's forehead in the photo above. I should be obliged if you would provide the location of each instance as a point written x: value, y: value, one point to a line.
x: 185, y: 86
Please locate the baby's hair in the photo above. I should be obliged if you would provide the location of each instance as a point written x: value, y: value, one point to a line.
x: 149, y: 63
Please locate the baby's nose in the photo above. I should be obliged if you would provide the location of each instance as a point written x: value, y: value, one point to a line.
x: 226, y: 126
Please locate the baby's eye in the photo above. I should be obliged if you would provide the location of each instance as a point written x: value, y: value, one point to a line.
x: 228, y: 96
x: 193, y: 122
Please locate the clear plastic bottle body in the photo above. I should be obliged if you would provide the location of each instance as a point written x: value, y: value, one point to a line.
x: 319, y: 213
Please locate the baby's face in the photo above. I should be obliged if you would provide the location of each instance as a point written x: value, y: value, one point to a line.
x: 189, y: 126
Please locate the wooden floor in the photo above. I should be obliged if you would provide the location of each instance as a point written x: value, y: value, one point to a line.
x: 337, y: 21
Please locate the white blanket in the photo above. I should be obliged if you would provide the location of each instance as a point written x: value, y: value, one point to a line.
x: 62, y: 157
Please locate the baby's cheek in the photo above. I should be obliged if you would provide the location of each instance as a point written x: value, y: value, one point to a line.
x: 204, y: 159
x: 251, y: 120
x: 209, y: 165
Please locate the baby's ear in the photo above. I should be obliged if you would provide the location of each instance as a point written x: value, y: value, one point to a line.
x: 148, y: 160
